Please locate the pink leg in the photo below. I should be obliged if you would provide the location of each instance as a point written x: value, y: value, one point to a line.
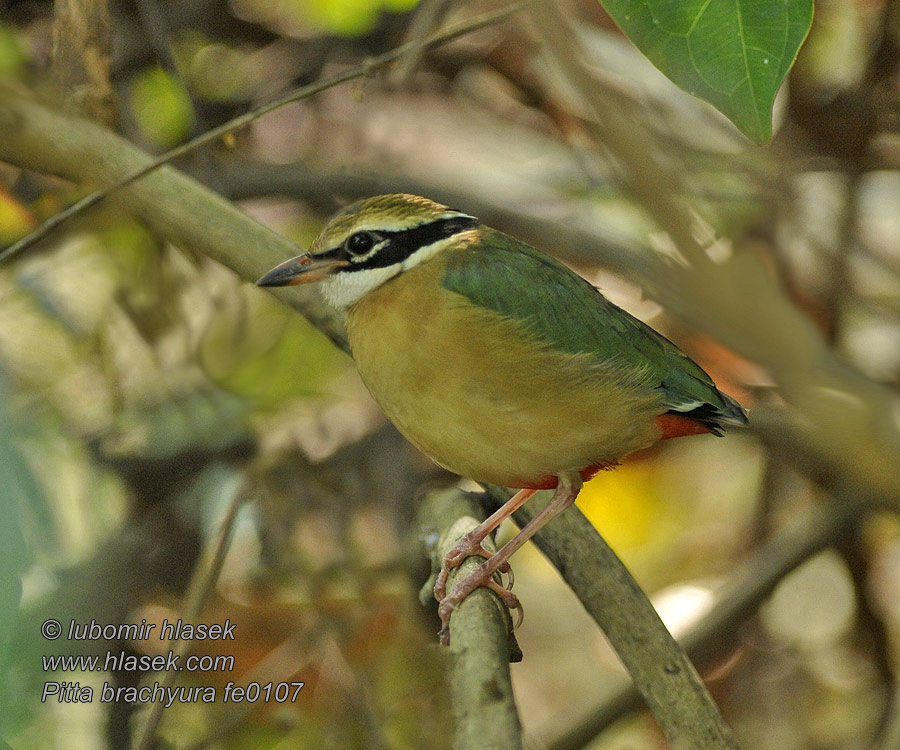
x: 470, y: 544
x: 566, y: 491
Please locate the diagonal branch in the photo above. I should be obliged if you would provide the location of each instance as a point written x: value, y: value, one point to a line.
x: 172, y: 204
x: 716, y: 634
x: 366, y: 68
x: 659, y: 667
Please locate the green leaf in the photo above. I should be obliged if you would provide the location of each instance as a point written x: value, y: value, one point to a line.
x: 732, y: 53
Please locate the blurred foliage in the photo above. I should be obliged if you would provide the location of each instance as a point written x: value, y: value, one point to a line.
x: 218, y: 72
x: 15, y: 219
x: 275, y: 356
x: 161, y: 105
x: 351, y: 18
x: 144, y: 385
x: 12, y: 50
x: 18, y: 491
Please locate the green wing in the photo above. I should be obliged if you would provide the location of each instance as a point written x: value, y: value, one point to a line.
x: 503, y: 274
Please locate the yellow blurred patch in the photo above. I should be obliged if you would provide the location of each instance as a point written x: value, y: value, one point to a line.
x: 161, y: 106
x: 630, y: 508
x: 352, y: 17
x: 15, y: 219
x: 626, y: 506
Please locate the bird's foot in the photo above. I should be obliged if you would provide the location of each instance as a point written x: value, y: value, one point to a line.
x: 465, y: 548
x: 483, y: 576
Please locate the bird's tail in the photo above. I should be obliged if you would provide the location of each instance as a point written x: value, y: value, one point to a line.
x: 733, y: 413
x: 713, y: 416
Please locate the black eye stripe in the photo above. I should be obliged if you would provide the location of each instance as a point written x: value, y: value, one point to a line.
x: 403, y: 243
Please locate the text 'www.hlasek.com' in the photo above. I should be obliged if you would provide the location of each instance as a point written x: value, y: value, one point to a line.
x: 129, y: 658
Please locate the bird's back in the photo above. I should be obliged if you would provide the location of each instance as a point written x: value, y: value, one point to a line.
x: 564, y: 310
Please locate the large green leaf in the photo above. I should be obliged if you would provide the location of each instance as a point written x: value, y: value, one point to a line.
x: 732, y: 53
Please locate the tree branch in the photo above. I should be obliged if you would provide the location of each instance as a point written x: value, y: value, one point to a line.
x: 304, y: 92
x: 172, y: 204
x: 659, y: 667
x: 715, y: 634
x: 480, y: 632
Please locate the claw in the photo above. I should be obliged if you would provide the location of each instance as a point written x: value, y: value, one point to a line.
x: 509, y: 599
x: 566, y: 490
x: 452, y: 560
x: 484, y: 576
x: 440, y: 584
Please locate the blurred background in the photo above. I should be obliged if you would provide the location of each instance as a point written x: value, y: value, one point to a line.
x: 148, y: 391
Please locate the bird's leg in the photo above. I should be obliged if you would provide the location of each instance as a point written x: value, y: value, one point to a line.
x: 567, y: 490
x: 470, y: 544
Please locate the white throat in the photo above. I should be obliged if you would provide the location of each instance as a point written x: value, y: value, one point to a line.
x: 342, y: 290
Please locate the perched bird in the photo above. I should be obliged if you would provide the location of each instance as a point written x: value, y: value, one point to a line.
x: 498, y: 361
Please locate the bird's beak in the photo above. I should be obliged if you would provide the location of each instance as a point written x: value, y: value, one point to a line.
x: 301, y: 270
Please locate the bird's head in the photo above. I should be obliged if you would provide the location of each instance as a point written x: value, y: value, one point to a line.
x: 369, y: 242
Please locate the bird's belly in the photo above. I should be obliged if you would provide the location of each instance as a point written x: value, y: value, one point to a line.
x: 476, y: 393
x: 521, y: 446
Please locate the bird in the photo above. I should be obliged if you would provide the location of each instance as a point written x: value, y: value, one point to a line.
x: 499, y: 362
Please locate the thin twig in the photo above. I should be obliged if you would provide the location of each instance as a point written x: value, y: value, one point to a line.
x: 304, y: 92
x: 202, y: 581
x: 171, y: 204
x: 425, y: 19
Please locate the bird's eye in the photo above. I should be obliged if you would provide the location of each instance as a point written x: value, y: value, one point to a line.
x: 360, y: 243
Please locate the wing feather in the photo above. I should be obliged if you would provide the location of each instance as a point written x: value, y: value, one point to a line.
x: 500, y: 273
